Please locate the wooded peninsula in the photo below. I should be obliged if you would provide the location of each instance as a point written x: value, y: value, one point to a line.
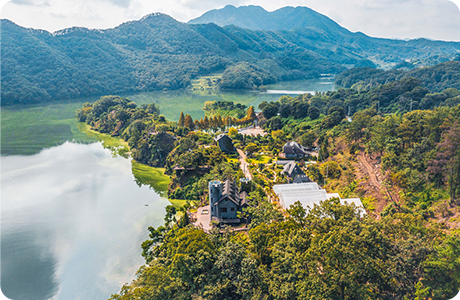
x: 392, y: 143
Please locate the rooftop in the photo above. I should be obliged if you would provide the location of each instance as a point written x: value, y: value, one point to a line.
x: 294, y: 148
x: 220, y: 136
x: 309, y: 194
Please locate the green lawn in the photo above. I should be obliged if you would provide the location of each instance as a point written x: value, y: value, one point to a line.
x: 155, y: 178
x: 259, y: 159
x: 179, y: 203
x: 233, y: 160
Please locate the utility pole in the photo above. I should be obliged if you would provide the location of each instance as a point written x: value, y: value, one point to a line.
x: 411, y: 104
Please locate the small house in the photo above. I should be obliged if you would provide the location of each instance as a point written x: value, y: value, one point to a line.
x: 293, y: 150
x: 225, y: 143
x: 226, y: 201
x: 294, y: 172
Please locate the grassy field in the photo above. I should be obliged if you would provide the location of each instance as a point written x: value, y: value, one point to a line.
x: 155, y: 178
x: 206, y: 85
x: 233, y: 160
x: 179, y: 203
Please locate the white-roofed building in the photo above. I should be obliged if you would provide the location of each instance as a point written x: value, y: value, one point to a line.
x: 308, y: 194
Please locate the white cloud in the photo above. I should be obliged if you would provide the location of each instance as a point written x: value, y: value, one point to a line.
x: 31, y: 2
x: 122, y: 3
x: 436, y: 19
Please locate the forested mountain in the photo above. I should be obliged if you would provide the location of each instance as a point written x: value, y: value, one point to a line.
x: 307, y: 22
x: 158, y: 52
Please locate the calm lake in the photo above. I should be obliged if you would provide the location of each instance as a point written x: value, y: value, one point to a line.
x: 73, y: 212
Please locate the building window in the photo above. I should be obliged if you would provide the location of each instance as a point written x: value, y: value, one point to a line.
x: 232, y: 209
x: 223, y: 209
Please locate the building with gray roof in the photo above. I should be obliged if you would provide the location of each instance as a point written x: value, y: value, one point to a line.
x: 293, y: 150
x: 225, y: 201
x: 308, y: 194
x: 225, y: 143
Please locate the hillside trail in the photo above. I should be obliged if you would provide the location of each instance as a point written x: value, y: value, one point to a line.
x: 373, y: 178
x: 243, y: 164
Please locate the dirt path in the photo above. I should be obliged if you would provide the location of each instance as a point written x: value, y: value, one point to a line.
x: 243, y: 164
x: 373, y: 178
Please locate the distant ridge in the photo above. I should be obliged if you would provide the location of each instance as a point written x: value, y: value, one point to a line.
x: 257, y: 18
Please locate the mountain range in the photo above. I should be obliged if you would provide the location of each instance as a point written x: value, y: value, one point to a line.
x: 158, y: 52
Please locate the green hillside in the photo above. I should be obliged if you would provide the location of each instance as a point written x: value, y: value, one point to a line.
x: 319, y: 33
x: 436, y: 78
x: 158, y: 52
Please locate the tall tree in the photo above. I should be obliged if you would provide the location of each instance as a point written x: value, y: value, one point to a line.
x: 206, y: 122
x: 181, y: 119
x: 188, y: 122
x: 447, y: 160
x: 251, y: 114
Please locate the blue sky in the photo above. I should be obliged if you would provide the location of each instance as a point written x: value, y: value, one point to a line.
x: 435, y: 19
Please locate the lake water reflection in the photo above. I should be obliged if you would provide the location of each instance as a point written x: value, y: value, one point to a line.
x: 72, y: 221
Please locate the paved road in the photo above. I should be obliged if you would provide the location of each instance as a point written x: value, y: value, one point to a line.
x: 243, y: 164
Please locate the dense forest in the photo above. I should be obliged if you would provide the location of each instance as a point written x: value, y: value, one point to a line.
x: 436, y: 78
x: 402, y: 95
x: 328, y: 253
x: 158, y: 52
x: 245, y: 76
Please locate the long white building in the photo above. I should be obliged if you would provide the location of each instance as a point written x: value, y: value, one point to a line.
x: 308, y: 194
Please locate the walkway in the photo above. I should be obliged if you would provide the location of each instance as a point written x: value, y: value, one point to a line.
x: 243, y: 164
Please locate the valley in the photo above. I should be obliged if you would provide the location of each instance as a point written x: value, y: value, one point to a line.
x: 244, y: 154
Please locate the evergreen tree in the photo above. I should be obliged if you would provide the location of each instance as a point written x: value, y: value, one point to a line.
x: 181, y: 119
x: 188, y: 122
x: 251, y: 114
